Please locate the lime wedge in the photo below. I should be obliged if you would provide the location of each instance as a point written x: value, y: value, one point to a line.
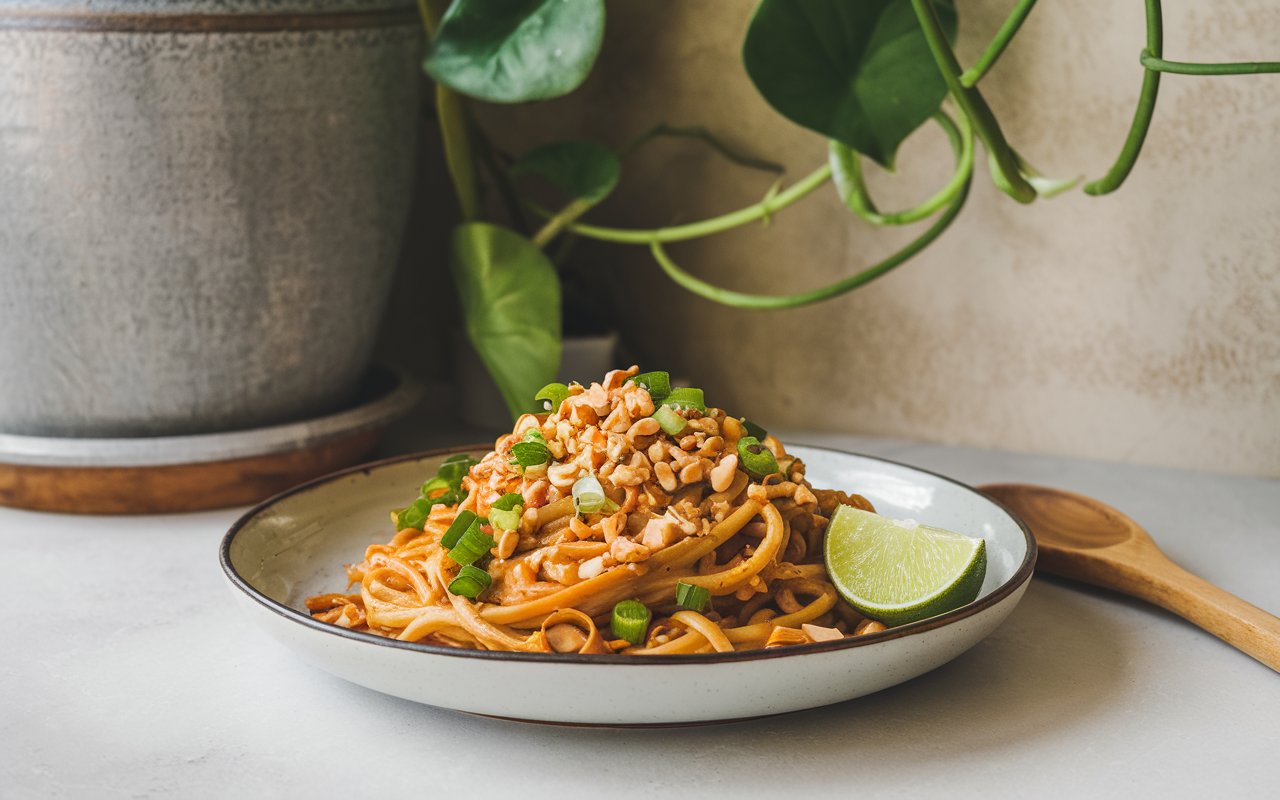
x: 900, y: 572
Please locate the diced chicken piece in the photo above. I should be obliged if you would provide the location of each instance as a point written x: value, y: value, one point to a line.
x: 659, y: 532
x: 625, y: 551
x: 819, y: 633
x: 591, y: 568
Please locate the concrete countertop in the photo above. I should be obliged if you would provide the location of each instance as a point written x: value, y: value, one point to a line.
x: 126, y: 671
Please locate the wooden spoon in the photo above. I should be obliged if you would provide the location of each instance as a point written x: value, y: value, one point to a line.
x: 1086, y: 540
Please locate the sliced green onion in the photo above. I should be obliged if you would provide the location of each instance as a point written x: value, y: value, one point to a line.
x: 473, y: 545
x: 455, y: 468
x: 671, y: 423
x: 753, y: 429
x: 506, y: 510
x: 414, y: 515
x: 457, y: 528
x: 450, y: 498
x: 534, y: 435
x: 631, y: 621
x: 435, y: 483
x: 658, y: 384
x: 550, y: 397
x: 508, y: 502
x: 507, y: 519
x: 471, y: 581
x: 686, y: 398
x: 588, y: 495
x: 691, y: 597
x: 755, y: 458
x: 529, y: 454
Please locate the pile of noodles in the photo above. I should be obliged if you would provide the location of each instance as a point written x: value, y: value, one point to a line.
x: 686, y: 512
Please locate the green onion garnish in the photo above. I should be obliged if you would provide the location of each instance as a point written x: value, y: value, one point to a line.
x: 529, y: 454
x: 506, y: 519
x: 658, y: 384
x: 691, y: 597
x: 414, y: 515
x: 473, y: 545
x: 435, y: 483
x: 506, y: 510
x: 449, y: 479
x: 508, y: 501
x: 457, y: 528
x: 753, y: 429
x: 451, y: 497
x: 550, y: 397
x: 755, y: 458
x: 455, y: 468
x: 631, y: 621
x: 672, y: 423
x: 686, y: 398
x: 534, y: 435
x: 589, y: 496
x: 471, y: 581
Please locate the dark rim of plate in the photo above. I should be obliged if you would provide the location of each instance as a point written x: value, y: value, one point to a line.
x: 1019, y: 577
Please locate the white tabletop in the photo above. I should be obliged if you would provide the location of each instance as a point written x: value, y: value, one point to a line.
x: 125, y: 671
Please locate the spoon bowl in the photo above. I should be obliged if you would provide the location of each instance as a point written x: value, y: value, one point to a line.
x: 1087, y: 540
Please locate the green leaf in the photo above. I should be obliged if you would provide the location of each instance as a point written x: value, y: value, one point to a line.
x: 582, y: 170
x: 511, y: 301
x: 511, y: 51
x: 858, y: 72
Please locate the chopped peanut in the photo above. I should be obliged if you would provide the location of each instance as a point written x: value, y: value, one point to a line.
x: 868, y: 626
x: 722, y: 474
x: 665, y: 475
x: 818, y: 633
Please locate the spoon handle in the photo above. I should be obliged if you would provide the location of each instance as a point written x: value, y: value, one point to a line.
x: 1241, y: 625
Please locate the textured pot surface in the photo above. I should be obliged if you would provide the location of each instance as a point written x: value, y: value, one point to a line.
x: 202, y: 208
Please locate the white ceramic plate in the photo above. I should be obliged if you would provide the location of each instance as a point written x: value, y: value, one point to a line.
x: 295, y: 544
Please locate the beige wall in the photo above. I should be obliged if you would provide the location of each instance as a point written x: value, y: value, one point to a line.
x: 1143, y: 327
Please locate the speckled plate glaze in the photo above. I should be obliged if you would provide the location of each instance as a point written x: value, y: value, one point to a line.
x: 295, y: 544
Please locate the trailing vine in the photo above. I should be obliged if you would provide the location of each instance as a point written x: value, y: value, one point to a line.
x: 864, y: 74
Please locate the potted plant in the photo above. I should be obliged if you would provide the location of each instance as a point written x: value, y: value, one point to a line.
x: 864, y: 75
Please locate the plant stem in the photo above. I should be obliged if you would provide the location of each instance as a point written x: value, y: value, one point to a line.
x: 974, y: 105
x: 1157, y: 64
x: 760, y: 301
x: 451, y: 111
x: 961, y: 143
x: 562, y: 219
x: 708, y: 138
x: 1142, y: 114
x: 706, y: 227
x: 487, y: 157
x: 847, y: 171
x: 1012, y: 23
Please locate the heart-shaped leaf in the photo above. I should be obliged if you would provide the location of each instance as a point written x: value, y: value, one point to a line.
x: 511, y: 51
x: 511, y: 302
x: 857, y: 71
x: 583, y: 170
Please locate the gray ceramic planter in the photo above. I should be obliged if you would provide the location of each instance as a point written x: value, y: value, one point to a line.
x: 202, y: 208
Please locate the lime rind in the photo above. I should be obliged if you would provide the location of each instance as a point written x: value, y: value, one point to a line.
x: 901, y: 572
